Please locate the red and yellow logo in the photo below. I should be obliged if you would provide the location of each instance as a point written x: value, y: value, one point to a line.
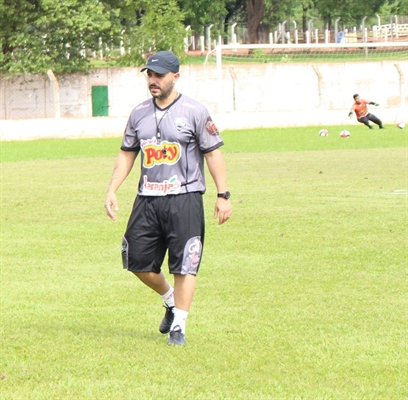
x: 163, y: 153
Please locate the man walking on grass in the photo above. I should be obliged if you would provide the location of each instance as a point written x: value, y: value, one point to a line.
x: 173, y: 134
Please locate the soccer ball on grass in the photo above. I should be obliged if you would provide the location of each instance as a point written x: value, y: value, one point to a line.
x: 323, y: 132
x: 344, y: 133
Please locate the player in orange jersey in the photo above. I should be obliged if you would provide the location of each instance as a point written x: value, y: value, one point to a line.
x: 362, y: 114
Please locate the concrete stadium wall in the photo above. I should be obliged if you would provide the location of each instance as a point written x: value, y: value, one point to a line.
x: 245, y: 96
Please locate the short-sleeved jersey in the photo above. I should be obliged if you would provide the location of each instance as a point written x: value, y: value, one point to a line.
x: 172, y: 143
x: 361, y: 109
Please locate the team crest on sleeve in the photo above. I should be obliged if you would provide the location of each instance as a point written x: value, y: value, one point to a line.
x: 211, y: 128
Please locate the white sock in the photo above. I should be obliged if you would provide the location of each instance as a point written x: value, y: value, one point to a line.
x: 180, y: 318
x: 169, y: 297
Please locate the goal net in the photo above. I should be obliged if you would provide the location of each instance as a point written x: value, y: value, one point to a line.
x: 308, y: 53
x: 307, y: 84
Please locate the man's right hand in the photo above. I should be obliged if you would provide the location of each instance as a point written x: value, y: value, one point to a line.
x: 110, y: 205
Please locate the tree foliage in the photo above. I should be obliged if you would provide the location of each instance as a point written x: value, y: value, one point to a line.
x: 202, y: 12
x: 37, y: 35
x: 159, y: 27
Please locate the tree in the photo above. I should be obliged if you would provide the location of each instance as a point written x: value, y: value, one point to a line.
x: 202, y: 12
x: 351, y: 12
x: 255, y: 10
x: 401, y: 7
x: 37, y: 35
x: 234, y: 10
x: 260, y: 11
x: 156, y: 26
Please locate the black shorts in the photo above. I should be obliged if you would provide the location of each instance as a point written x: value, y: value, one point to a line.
x: 157, y: 224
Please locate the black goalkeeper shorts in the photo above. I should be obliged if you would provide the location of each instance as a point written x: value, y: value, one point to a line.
x: 160, y: 223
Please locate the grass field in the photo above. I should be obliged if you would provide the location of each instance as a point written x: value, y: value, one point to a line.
x: 302, y: 294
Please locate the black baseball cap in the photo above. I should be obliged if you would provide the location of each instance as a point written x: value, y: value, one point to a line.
x: 162, y: 62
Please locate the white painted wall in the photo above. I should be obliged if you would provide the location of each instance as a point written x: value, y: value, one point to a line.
x: 246, y: 96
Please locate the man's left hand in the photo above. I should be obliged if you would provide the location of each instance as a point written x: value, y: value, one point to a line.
x: 222, y: 210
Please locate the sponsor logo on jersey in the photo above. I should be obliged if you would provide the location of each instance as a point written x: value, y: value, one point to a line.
x: 211, y: 128
x: 168, y: 186
x: 160, y: 153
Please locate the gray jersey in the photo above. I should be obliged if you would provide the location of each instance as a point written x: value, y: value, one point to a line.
x: 172, y: 143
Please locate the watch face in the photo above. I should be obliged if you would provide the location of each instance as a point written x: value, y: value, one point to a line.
x: 225, y: 195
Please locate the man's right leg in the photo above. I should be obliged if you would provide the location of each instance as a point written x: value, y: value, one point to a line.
x: 160, y: 285
x: 376, y: 121
x: 143, y: 252
x: 157, y: 282
x: 366, y: 122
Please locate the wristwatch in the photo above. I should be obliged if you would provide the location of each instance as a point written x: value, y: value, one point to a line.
x: 225, y: 195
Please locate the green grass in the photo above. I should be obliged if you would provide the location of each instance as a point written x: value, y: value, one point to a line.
x: 254, y: 140
x: 301, y: 295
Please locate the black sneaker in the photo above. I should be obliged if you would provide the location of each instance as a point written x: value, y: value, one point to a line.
x: 167, y: 320
x: 381, y: 127
x: 176, y: 337
x: 371, y: 127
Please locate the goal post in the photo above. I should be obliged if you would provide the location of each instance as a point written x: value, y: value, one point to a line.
x: 316, y: 79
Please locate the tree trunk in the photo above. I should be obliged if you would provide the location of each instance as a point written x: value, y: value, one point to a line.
x: 255, y: 10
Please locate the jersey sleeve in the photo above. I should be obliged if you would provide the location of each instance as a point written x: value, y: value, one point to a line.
x: 208, y: 137
x: 130, y: 141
